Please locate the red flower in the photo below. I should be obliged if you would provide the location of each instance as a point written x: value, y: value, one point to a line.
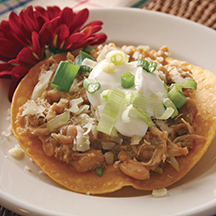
x: 24, y: 38
x: 67, y: 32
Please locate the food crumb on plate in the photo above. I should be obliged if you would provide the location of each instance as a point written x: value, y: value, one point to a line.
x: 27, y: 168
x: 17, y: 152
x: 160, y: 192
x: 42, y: 172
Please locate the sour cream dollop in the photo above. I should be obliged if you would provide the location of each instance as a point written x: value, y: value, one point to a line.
x: 147, y: 83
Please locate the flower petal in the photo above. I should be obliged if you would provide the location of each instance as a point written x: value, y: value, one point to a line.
x: 99, y: 39
x: 63, y: 32
x: 9, y: 49
x: 53, y: 12
x: 10, y: 30
x: 80, y: 18
x: 5, y: 70
x: 25, y: 58
x: 36, y: 48
x: 74, y: 38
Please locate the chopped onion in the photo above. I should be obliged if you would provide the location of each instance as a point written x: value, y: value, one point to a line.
x: 74, y: 104
x: 32, y: 108
x: 58, y: 121
x: 107, y: 145
x: 135, y: 140
x: 81, y: 142
x: 42, y: 84
x: 109, y: 157
x: 160, y: 192
x: 103, y: 52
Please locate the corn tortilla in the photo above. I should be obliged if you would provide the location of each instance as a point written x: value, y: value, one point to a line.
x: 113, y: 179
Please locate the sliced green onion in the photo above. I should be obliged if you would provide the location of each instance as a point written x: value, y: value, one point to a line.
x: 117, y: 57
x: 91, y: 85
x: 99, y: 171
x: 142, y: 116
x: 109, y: 68
x: 177, y: 97
x: 168, y: 103
x: 140, y: 101
x: 58, y: 121
x: 126, y: 113
x: 147, y: 66
x: 189, y: 83
x: 127, y: 80
x: 114, y: 102
x: 88, y: 49
x: 143, y: 63
x: 85, y: 68
x: 167, y: 114
x: 64, y: 76
x: 82, y: 55
x: 106, y: 125
x: 105, y: 94
x: 89, y: 62
x: 177, y: 86
x: 165, y: 86
x: 152, y: 66
x: 110, y: 112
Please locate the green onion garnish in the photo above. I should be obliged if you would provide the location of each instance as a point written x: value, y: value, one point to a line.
x: 127, y: 80
x: 189, y: 83
x: 177, y: 97
x: 58, y: 121
x: 85, y: 68
x: 82, y: 55
x: 109, y: 68
x: 152, y: 66
x: 91, y: 85
x: 142, y: 116
x: 110, y: 112
x: 168, y: 103
x: 147, y: 66
x: 117, y: 57
x: 105, y: 94
x: 106, y: 125
x: 167, y: 113
x: 99, y: 171
x: 64, y: 76
x: 88, y: 49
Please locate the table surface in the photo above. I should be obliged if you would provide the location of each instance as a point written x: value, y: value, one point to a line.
x: 203, y: 11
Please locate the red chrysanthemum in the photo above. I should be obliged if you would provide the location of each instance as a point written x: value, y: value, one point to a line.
x: 24, y: 38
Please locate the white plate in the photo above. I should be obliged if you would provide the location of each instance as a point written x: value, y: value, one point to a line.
x: 30, y: 193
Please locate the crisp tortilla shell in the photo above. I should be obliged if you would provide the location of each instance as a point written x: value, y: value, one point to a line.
x: 113, y: 179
